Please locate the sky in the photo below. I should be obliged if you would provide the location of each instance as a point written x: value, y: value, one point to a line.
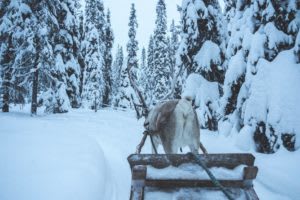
x: 146, y: 14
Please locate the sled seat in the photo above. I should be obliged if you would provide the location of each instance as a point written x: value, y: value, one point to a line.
x: 178, y: 176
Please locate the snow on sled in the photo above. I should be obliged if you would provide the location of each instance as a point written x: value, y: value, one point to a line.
x: 179, y: 177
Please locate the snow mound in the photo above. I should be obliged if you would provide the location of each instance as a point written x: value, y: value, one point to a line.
x: 52, y: 166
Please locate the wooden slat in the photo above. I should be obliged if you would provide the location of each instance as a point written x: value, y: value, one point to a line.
x: 211, y: 160
x: 250, y: 173
x: 251, y: 194
x: 169, y: 183
x: 139, y: 173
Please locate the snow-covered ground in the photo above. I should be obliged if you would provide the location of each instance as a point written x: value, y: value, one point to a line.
x: 83, y: 155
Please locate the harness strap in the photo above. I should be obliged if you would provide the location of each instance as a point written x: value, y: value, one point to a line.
x: 211, y: 176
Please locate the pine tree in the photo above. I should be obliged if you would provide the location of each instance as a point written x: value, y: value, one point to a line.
x: 109, y: 38
x: 142, y: 70
x: 149, y: 87
x: 132, y: 45
x: 176, y: 72
x: 116, y: 76
x: 67, y: 70
x: 203, y: 39
x: 202, y: 49
x: 44, y: 79
x: 161, y: 71
x: 93, y: 83
x: 130, y: 80
x: 259, y: 31
x: 15, y: 52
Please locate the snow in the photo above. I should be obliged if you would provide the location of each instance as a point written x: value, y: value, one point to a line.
x: 236, y: 68
x: 275, y: 94
x: 257, y: 47
x: 208, y: 54
x: 276, y: 37
x: 205, y: 94
x: 193, y: 171
x: 189, y: 193
x: 82, y: 155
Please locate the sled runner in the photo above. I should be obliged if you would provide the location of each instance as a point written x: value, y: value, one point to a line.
x: 178, y: 176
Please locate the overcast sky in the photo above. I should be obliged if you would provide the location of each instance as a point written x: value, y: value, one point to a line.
x: 146, y: 15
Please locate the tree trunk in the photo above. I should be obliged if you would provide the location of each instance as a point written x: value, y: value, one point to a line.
x: 5, y: 107
x: 34, y: 90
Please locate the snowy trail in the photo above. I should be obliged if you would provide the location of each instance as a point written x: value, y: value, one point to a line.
x: 83, y: 155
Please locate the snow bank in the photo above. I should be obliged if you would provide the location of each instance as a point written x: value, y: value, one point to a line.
x: 51, y: 166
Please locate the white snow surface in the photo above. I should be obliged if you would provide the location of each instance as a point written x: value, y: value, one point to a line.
x: 208, y: 54
x: 82, y: 155
x: 193, y: 171
x: 275, y: 95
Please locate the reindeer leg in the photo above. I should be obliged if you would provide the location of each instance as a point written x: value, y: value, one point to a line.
x: 203, y: 148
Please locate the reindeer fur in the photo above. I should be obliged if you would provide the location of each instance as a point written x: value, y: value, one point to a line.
x: 174, y: 124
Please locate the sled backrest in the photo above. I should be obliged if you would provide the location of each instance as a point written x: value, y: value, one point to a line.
x: 143, y: 184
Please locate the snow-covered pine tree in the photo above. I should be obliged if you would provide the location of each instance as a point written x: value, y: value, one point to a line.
x: 132, y: 45
x: 93, y: 82
x: 203, y: 39
x: 259, y: 31
x: 132, y: 61
x: 6, y: 53
x: 149, y: 87
x: 201, y: 51
x: 15, y: 52
x: 175, y: 71
x: 65, y: 73
x: 81, y: 52
x: 116, y: 76
x: 142, y: 70
x: 43, y: 78
x: 161, y: 62
x: 107, y: 71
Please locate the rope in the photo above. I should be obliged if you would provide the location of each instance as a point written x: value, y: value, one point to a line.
x: 211, y: 176
x: 140, y: 146
x: 153, y: 146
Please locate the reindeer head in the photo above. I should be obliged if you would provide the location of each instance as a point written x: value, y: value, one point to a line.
x: 159, y: 115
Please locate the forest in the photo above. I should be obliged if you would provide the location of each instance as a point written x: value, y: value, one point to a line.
x: 58, y: 54
x: 73, y: 99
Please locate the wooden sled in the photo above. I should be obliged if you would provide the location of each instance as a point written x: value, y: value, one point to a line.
x: 144, y: 186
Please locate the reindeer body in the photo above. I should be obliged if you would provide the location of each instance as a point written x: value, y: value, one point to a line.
x: 174, y: 124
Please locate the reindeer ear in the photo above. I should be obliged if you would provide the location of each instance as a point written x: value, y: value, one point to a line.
x: 164, y: 113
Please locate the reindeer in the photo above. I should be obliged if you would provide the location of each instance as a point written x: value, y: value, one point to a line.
x: 173, y: 123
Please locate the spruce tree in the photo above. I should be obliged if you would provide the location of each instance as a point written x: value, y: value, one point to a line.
x: 259, y: 31
x: 202, y: 51
x: 132, y: 45
x: 142, y: 70
x: 108, y: 41
x: 93, y: 81
x: 130, y: 80
x: 116, y: 76
x: 15, y: 52
x: 149, y: 87
x: 176, y: 72
x: 203, y: 39
x: 161, y: 62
